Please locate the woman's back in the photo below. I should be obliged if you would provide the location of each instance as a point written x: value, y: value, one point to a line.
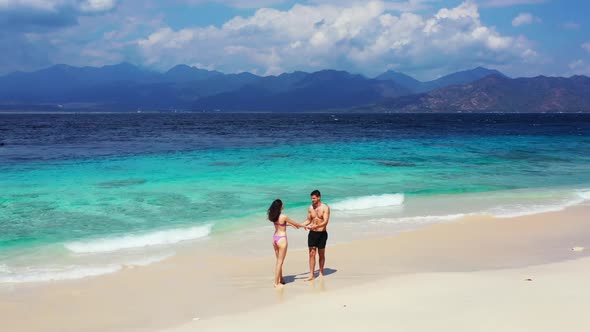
x: 281, y: 225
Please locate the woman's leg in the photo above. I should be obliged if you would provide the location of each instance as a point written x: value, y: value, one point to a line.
x: 282, y: 252
x: 276, y: 248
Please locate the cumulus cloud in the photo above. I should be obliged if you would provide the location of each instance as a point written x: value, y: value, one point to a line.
x: 96, y: 6
x: 407, y: 5
x: 363, y: 36
x: 401, y: 6
x: 95, y: 37
x: 525, y: 18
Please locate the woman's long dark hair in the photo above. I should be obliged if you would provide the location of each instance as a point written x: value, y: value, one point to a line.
x: 274, y: 211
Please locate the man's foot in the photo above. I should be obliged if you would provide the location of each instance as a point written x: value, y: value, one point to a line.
x: 321, y: 276
x: 279, y: 286
x: 310, y: 278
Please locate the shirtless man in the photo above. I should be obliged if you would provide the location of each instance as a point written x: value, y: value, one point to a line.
x: 318, y: 217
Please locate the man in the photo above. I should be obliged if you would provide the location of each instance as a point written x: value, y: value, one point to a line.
x: 318, y: 216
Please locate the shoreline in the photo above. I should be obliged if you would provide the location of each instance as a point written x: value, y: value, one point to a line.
x: 194, y: 283
x: 99, y: 256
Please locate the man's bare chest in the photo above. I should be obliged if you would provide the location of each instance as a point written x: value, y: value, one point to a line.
x: 318, y: 213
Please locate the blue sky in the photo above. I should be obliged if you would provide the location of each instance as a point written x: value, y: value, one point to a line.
x: 423, y: 38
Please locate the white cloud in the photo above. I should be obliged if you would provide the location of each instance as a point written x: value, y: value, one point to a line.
x: 96, y: 6
x: 363, y: 36
x: 525, y: 18
x: 586, y: 46
x: 168, y: 38
x: 465, y: 10
x: 409, y: 6
x: 71, y: 44
x: 203, y: 66
x: 402, y: 6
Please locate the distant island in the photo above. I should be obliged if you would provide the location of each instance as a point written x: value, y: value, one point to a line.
x: 128, y: 88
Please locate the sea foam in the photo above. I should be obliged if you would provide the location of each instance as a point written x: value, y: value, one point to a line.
x: 502, y: 211
x: 519, y: 210
x: 584, y: 193
x: 139, y: 241
x: 369, y: 202
x: 419, y: 219
x: 44, y: 274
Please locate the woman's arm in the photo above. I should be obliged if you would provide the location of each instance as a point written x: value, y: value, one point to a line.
x: 293, y: 222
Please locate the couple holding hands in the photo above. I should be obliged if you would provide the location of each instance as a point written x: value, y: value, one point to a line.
x: 316, y: 223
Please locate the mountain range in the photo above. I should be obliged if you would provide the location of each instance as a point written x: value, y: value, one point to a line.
x: 457, y: 78
x: 126, y: 87
x: 498, y: 93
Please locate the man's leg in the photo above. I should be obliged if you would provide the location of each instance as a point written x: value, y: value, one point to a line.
x: 312, y: 253
x: 322, y: 253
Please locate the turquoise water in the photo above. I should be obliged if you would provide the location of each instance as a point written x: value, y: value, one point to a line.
x: 62, y: 201
x: 75, y: 205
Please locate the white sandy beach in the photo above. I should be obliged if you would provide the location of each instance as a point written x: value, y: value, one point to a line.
x: 503, y: 300
x: 467, y: 275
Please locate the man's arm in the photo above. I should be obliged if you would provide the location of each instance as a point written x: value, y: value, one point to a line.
x: 308, y: 220
x: 326, y: 219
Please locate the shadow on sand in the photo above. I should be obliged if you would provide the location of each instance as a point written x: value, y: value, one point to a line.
x: 304, y: 275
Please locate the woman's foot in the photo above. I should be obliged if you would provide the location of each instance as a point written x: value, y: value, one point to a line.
x: 279, y: 286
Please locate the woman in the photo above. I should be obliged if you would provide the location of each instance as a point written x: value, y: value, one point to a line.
x: 279, y: 240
